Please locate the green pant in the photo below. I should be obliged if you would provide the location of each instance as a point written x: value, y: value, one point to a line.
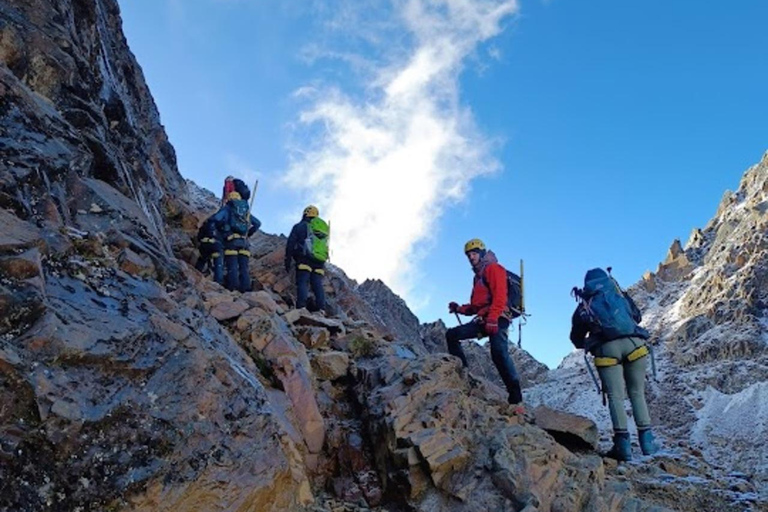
x: 615, y: 377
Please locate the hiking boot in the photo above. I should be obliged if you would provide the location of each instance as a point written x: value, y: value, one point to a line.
x: 515, y: 395
x: 648, y: 443
x: 622, y: 450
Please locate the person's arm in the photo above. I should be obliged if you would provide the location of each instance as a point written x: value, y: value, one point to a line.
x: 255, y: 225
x: 579, y: 328
x: 290, y: 245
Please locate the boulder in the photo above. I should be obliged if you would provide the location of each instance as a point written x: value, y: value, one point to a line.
x: 570, y: 430
x: 330, y: 365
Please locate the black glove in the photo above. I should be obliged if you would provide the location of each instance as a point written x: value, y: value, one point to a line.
x: 453, y: 307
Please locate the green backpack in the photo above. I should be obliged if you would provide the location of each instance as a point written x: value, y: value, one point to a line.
x: 316, y: 244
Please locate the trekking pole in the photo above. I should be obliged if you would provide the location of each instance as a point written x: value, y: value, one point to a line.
x: 592, y: 374
x: 459, y: 319
x: 329, y: 240
x: 522, y: 306
x: 250, y: 206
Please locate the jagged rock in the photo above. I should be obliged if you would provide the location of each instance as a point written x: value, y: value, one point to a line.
x: 305, y: 318
x: 649, y: 281
x: 22, y: 266
x: 390, y: 310
x: 330, y: 365
x: 570, y: 430
x: 263, y: 300
x: 312, y: 337
x: 228, y: 309
x: 16, y: 234
x: 135, y: 264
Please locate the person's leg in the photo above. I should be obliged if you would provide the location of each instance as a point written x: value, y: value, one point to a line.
x: 230, y: 261
x: 634, y: 375
x: 504, y: 364
x: 217, y: 261
x: 316, y: 281
x: 454, y: 336
x: 245, y: 276
x: 302, y: 288
x: 612, y: 377
x: 204, y: 257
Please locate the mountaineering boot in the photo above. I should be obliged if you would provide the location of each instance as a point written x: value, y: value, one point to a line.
x: 621, y: 450
x: 648, y: 443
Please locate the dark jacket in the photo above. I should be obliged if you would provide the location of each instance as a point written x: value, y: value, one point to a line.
x: 294, y: 247
x: 208, y: 232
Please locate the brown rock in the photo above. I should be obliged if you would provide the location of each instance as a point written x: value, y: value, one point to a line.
x: 312, y: 337
x: 163, y: 324
x: 330, y: 365
x: 22, y: 266
x: 296, y: 381
x: 228, y: 309
x: 16, y: 233
x: 263, y: 299
x: 569, y: 430
x: 135, y: 264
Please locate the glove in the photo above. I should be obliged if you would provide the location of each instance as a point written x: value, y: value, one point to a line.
x: 491, y: 327
x: 453, y: 307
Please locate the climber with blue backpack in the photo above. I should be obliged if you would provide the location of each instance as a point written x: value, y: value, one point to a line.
x: 490, y: 305
x: 236, y: 224
x: 307, y: 246
x: 606, y: 325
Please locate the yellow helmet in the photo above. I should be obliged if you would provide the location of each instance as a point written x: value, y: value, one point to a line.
x: 311, y: 211
x: 233, y: 195
x: 473, y: 244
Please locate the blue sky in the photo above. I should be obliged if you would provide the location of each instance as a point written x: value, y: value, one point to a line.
x: 570, y: 134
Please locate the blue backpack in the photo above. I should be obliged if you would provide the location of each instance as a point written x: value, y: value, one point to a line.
x: 238, y: 216
x: 610, y: 311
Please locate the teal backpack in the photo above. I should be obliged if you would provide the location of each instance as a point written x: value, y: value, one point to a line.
x: 238, y: 216
x: 316, y: 243
x: 608, y: 308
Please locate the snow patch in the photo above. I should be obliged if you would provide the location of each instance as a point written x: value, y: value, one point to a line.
x: 732, y: 429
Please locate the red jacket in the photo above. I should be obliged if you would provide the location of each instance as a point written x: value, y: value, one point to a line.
x: 489, y: 291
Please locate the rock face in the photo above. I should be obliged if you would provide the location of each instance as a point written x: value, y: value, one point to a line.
x: 129, y: 381
x: 705, y: 307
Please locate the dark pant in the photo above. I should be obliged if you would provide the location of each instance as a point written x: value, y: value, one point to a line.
x: 499, y: 353
x: 306, y: 278
x: 238, y: 278
x: 211, y: 255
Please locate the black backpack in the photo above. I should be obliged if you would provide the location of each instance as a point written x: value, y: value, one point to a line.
x: 515, y: 302
x: 242, y: 189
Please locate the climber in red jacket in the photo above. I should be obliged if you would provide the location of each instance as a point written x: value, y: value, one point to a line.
x: 489, y: 305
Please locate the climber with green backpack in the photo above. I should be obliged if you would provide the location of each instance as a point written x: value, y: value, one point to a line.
x: 235, y: 223
x: 308, y: 246
x: 606, y: 325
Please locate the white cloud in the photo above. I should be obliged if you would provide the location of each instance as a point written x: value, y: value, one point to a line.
x: 384, y: 168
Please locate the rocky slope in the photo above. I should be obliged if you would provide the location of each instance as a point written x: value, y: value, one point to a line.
x: 128, y: 381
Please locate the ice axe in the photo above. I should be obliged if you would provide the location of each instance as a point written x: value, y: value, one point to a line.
x: 253, y: 196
